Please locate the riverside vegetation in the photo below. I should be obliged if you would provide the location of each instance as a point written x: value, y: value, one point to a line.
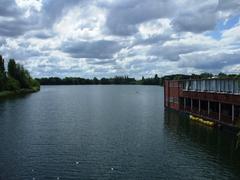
x: 128, y: 80
x: 16, y: 80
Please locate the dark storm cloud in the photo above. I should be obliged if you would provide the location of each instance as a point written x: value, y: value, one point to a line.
x: 101, y: 49
x: 124, y: 16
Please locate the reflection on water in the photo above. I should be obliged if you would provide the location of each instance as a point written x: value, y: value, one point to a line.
x: 108, y: 132
x: 217, y: 145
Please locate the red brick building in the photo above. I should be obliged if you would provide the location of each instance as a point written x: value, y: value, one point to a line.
x: 217, y: 100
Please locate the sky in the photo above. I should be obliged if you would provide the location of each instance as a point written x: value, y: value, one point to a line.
x: 106, y: 38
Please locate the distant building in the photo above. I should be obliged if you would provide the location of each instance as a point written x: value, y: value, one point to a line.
x: 216, y: 100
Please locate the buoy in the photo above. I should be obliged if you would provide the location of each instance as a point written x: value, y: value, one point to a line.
x: 201, y: 120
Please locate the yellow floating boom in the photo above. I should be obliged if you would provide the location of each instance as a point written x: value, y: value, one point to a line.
x: 202, y: 121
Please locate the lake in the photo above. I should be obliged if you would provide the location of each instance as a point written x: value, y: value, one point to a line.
x: 108, y: 132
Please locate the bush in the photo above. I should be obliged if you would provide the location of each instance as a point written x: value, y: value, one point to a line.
x: 12, y: 84
x: 34, y: 83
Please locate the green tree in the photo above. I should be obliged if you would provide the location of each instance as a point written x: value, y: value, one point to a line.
x: 12, y: 68
x: 206, y: 75
x: 23, y: 77
x: 95, y: 80
x: 12, y: 84
x: 2, y: 67
x: 17, y: 72
x: 2, y: 74
x: 222, y: 75
x: 156, y: 80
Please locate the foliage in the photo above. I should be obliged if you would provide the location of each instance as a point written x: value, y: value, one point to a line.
x: 2, y: 74
x: 82, y: 81
x: 126, y: 80
x: 12, y: 84
x: 151, y: 81
x: 16, y: 77
x: 12, y: 68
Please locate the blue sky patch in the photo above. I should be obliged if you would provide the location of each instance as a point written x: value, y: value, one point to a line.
x: 223, y: 25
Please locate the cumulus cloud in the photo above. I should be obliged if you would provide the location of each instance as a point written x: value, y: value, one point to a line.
x: 229, y: 8
x: 196, y: 16
x: 16, y: 18
x: 42, y: 34
x: 124, y: 16
x: 212, y: 60
x: 53, y: 10
x: 121, y: 37
x: 101, y: 49
x: 9, y: 9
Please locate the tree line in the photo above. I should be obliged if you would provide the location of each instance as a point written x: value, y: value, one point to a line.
x: 125, y: 80
x: 105, y: 81
x: 16, y: 77
x: 200, y: 76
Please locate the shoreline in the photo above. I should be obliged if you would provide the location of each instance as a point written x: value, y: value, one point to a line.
x: 99, y: 84
x: 6, y: 94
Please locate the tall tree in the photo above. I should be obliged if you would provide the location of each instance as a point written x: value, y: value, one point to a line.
x: 2, y: 67
x: 156, y: 79
x: 3, y: 77
x: 12, y: 68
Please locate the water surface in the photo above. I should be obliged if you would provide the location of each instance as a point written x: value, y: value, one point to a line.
x: 108, y: 132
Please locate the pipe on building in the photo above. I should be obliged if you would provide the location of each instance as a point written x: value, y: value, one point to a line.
x: 233, y: 113
x: 208, y: 107
x: 220, y: 111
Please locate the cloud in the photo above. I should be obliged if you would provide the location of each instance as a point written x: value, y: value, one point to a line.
x: 8, y: 8
x: 211, y: 60
x: 121, y: 37
x: 100, y: 49
x: 12, y: 20
x: 124, y: 16
x: 20, y: 50
x: 52, y: 10
x: 196, y: 18
x: 13, y: 28
x: 42, y: 34
x: 16, y: 20
x: 172, y: 50
x: 229, y: 8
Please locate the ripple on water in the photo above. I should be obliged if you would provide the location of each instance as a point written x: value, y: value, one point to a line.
x: 107, y: 132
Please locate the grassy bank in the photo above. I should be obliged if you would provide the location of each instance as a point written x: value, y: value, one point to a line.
x: 5, y: 94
